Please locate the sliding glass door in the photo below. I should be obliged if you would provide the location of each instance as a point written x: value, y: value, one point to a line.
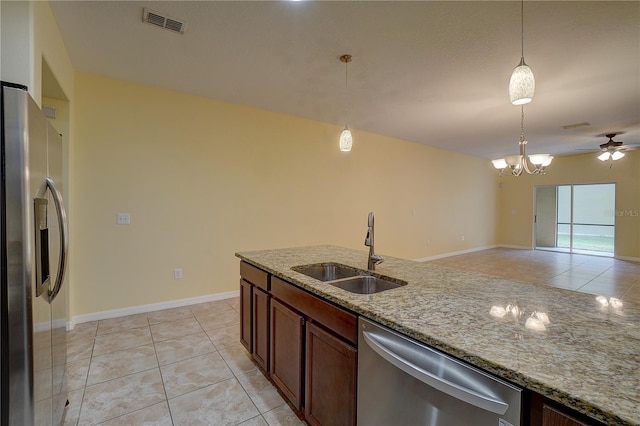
x: 576, y: 218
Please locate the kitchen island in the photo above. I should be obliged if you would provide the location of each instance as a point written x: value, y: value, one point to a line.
x: 586, y: 357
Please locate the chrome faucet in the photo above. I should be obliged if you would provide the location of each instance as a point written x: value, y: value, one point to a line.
x: 374, y: 259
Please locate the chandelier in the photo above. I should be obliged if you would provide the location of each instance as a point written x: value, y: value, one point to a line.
x: 513, y: 165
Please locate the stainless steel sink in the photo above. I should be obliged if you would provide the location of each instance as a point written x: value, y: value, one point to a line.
x: 366, y: 284
x: 348, y: 278
x: 326, y: 271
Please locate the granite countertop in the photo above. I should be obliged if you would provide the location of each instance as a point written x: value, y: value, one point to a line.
x: 587, y: 358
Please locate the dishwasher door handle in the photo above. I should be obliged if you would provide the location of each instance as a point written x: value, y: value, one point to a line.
x: 485, y: 402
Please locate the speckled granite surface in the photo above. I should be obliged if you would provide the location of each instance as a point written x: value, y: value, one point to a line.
x: 587, y: 358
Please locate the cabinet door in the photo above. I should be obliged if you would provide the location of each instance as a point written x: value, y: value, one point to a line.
x: 245, y: 315
x: 286, y: 351
x: 330, y: 379
x: 261, y: 328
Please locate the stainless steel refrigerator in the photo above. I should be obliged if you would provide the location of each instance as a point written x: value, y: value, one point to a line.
x: 34, y: 240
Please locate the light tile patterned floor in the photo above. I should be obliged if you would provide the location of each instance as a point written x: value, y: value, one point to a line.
x: 181, y: 366
x: 185, y: 366
x: 604, y: 276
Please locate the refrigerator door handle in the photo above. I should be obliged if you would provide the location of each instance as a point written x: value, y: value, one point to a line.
x: 64, y: 234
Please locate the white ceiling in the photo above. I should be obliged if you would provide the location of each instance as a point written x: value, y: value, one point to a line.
x: 423, y: 71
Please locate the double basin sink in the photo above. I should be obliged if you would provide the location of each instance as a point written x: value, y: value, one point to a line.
x: 348, y: 278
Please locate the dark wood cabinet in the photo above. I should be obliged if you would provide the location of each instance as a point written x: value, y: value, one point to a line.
x: 286, y: 351
x: 307, y: 345
x: 329, y: 358
x: 334, y: 318
x: 330, y: 378
x: 246, y: 337
x: 254, y: 312
x: 261, y: 327
x: 554, y: 417
x: 545, y: 412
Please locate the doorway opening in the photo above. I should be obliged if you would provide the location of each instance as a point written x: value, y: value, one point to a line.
x: 577, y: 218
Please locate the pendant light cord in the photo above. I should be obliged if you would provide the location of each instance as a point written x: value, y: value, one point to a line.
x: 346, y: 92
x: 522, y: 27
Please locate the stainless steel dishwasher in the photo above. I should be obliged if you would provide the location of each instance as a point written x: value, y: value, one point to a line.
x: 404, y: 382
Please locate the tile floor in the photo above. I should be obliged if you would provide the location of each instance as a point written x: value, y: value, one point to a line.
x: 181, y: 366
x: 604, y: 276
x: 185, y: 366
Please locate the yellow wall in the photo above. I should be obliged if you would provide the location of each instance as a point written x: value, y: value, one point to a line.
x: 518, y: 194
x: 203, y: 179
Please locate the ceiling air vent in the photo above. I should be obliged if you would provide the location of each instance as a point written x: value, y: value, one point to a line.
x: 159, y: 20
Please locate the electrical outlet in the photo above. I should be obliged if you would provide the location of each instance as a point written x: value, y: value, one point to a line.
x: 177, y: 274
x: 463, y: 238
x: 123, y: 219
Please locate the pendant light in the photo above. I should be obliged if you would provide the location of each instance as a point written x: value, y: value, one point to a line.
x: 346, y: 140
x: 522, y: 84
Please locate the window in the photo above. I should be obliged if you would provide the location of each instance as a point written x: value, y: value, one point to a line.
x: 576, y: 218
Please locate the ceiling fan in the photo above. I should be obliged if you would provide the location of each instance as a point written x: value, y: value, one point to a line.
x: 613, y: 150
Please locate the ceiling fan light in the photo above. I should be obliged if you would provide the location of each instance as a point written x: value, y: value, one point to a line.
x: 604, y: 156
x: 499, y: 163
x: 346, y: 140
x: 522, y: 84
x: 617, y: 155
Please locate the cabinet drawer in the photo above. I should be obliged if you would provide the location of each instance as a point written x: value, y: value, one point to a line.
x: 554, y: 417
x: 334, y: 318
x: 254, y: 275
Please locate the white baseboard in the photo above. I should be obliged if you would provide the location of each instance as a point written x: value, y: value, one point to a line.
x: 509, y: 246
x: 96, y: 316
x: 455, y: 253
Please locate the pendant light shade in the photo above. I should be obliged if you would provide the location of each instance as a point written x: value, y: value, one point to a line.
x: 522, y: 84
x: 346, y: 140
